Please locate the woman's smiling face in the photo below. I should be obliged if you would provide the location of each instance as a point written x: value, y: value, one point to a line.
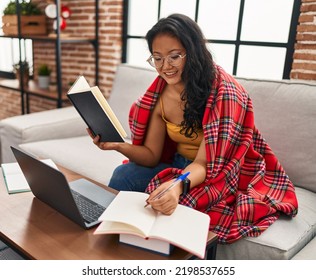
x: 165, y: 45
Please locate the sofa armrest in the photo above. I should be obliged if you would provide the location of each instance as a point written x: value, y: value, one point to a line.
x: 51, y: 124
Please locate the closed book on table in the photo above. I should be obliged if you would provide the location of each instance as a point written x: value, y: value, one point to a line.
x: 151, y: 244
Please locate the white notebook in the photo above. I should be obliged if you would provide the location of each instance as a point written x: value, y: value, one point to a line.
x: 14, y: 177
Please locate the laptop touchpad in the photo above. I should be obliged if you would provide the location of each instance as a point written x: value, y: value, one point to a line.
x: 92, y: 191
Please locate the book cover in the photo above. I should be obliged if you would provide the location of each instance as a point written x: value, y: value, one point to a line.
x: 186, y: 228
x: 155, y: 245
x: 95, y: 111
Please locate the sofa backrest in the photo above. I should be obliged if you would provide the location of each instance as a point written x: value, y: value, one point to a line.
x: 285, y: 114
x: 130, y: 82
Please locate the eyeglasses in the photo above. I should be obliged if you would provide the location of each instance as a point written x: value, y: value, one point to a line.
x: 157, y: 61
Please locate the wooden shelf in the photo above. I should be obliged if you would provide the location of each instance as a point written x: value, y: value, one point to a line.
x: 33, y: 89
x: 59, y: 95
x: 64, y: 38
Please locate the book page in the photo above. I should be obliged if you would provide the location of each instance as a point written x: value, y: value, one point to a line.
x: 128, y: 210
x: 79, y: 85
x: 108, y: 110
x: 15, y: 182
x: 118, y: 227
x: 186, y: 228
x: 14, y: 177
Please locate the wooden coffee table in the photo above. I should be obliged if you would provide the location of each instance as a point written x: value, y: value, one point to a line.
x: 39, y: 232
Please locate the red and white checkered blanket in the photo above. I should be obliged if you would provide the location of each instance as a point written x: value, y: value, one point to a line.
x: 246, y: 188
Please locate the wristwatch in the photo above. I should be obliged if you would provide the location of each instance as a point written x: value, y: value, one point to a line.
x: 186, y: 186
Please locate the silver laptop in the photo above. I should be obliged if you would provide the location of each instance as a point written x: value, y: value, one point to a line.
x: 81, y: 201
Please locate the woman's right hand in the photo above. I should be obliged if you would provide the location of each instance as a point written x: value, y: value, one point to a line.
x: 102, y: 145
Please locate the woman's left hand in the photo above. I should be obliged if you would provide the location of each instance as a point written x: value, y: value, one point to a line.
x: 168, y: 202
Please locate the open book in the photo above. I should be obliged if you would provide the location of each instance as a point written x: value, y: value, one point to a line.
x: 144, y: 227
x: 14, y: 177
x: 95, y: 111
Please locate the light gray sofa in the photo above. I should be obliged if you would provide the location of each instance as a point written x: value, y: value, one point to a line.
x: 285, y: 113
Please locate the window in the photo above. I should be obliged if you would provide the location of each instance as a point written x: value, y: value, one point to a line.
x: 248, y: 38
x: 11, y: 47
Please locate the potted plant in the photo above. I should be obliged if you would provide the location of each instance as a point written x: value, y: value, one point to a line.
x: 24, y: 68
x: 32, y: 20
x: 43, y: 72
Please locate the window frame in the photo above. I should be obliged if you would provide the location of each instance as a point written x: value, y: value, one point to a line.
x: 21, y: 43
x: 289, y: 46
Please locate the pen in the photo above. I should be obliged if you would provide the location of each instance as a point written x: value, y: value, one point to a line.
x: 174, y: 183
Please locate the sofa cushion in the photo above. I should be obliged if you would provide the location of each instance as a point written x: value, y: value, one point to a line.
x: 283, y: 239
x: 78, y: 154
x: 285, y: 113
x: 308, y: 252
x: 52, y: 124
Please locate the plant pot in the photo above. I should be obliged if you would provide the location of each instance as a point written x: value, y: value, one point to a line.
x: 43, y: 82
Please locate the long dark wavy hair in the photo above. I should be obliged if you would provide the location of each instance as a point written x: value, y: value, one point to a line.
x: 199, y: 71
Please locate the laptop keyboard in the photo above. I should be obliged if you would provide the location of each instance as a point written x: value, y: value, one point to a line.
x: 89, y: 210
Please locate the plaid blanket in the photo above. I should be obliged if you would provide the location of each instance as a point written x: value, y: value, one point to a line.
x: 246, y: 188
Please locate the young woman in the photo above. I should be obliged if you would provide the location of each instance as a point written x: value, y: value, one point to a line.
x: 196, y: 118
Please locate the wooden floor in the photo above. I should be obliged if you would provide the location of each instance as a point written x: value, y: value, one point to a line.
x: 6, y: 253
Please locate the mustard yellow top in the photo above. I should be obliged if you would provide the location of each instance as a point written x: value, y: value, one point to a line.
x: 187, y: 147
